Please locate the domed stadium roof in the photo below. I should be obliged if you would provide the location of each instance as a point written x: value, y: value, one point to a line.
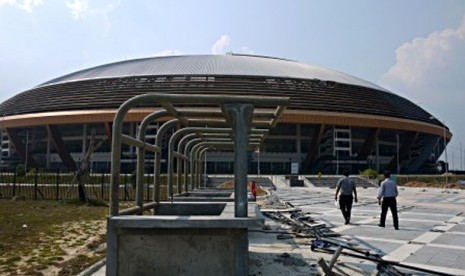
x: 310, y: 88
x: 213, y: 65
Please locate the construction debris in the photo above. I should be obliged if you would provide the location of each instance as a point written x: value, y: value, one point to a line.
x: 302, y: 225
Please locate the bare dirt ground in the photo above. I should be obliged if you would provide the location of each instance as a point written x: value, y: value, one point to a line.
x: 420, y: 184
x: 50, y: 238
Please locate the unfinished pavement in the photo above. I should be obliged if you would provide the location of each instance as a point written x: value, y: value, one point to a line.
x: 431, y: 235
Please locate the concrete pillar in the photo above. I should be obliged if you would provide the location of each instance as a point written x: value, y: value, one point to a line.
x: 241, y: 117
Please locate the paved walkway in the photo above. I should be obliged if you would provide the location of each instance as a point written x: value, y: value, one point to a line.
x: 432, y: 224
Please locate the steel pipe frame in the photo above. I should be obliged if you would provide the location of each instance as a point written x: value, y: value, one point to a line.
x: 188, y: 165
x: 221, y: 142
x: 185, y: 158
x: 182, y: 165
x: 166, y: 100
x: 201, y: 166
x: 141, y: 153
x: 194, y: 164
x: 194, y: 159
x: 141, y: 156
x: 218, y: 144
x: 157, y: 164
x: 171, y: 151
x: 189, y: 169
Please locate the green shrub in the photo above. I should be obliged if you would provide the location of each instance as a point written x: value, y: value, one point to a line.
x: 20, y: 170
x: 32, y: 171
x: 370, y: 173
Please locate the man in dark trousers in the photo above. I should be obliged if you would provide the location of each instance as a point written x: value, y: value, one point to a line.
x: 347, y: 188
x: 387, y: 199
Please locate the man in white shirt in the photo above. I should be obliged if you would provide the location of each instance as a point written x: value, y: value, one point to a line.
x: 387, y: 199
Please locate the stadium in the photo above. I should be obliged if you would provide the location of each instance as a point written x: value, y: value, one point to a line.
x: 334, y: 121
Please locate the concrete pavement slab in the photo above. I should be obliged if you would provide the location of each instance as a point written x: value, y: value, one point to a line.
x: 431, y: 224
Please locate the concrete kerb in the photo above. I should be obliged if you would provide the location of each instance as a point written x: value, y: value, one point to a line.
x: 93, y: 268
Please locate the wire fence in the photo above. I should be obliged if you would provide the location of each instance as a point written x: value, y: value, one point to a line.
x: 59, y: 185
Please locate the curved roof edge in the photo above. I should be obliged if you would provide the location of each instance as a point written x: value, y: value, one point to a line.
x: 289, y: 116
x: 239, y: 65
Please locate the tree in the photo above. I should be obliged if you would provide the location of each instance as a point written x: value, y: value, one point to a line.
x: 83, y: 169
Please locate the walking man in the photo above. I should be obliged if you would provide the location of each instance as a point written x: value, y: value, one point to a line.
x: 347, y: 188
x: 387, y: 199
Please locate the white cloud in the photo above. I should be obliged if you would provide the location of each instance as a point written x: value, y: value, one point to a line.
x: 430, y: 71
x: 78, y: 9
x: 26, y: 5
x: 425, y: 65
x: 220, y: 45
x: 168, y: 52
x: 85, y: 9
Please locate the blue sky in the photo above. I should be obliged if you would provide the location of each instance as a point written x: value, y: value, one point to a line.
x: 415, y: 48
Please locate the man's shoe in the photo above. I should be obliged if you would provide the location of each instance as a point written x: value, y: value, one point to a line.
x: 347, y: 222
x: 397, y: 228
x: 381, y: 225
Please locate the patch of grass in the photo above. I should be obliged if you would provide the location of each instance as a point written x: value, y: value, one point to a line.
x: 29, y: 229
x: 90, y: 202
x: 78, y: 264
x: 11, y: 261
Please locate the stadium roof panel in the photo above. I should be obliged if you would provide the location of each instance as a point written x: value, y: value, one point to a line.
x: 214, y: 65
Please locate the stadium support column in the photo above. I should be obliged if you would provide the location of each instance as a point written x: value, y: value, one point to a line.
x: 298, y: 144
x: 84, y: 141
x: 47, y: 155
x: 240, y: 116
x: 377, y: 153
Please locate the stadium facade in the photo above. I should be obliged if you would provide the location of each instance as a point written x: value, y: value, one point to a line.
x: 334, y: 121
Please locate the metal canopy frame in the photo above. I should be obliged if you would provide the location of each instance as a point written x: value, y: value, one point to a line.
x: 207, y: 134
x: 243, y: 117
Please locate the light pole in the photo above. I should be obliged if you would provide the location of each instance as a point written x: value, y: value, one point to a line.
x: 461, y: 157
x: 258, y: 163
x: 397, y: 154
x: 445, y: 153
x: 27, y: 144
x: 205, y: 171
x: 445, y: 147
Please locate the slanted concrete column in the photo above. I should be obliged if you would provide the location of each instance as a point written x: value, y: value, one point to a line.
x: 241, y: 118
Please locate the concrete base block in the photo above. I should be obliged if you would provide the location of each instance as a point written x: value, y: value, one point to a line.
x: 182, y: 251
x: 180, y: 244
